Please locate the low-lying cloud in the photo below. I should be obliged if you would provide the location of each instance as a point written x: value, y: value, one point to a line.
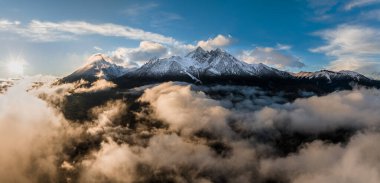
x: 346, y: 109
x: 30, y: 135
x: 320, y: 162
x: 176, y: 132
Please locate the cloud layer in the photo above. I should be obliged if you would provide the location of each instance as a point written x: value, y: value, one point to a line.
x: 176, y: 132
x: 27, y: 126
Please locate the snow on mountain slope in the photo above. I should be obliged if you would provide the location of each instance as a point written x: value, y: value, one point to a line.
x: 353, y: 75
x: 220, y: 62
x: 199, y: 55
x: 204, y: 63
x: 98, y: 66
x: 330, y: 75
x: 158, y: 67
x: 202, y: 66
x: 225, y: 64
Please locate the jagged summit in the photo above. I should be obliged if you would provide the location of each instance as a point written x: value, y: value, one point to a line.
x: 199, y: 54
x: 199, y: 64
x: 198, y: 51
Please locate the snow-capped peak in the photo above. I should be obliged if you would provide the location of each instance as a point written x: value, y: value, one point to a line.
x: 352, y: 74
x: 200, y: 63
x: 97, y: 66
x: 198, y: 50
x: 98, y: 57
x: 219, y: 50
x: 199, y: 54
x: 329, y: 75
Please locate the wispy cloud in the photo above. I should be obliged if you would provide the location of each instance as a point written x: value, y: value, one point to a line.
x: 4, y: 23
x: 97, y: 48
x: 162, y: 18
x: 353, y: 47
x: 151, y: 44
x: 322, y: 8
x: 137, y: 9
x: 340, y: 10
x: 278, y: 56
x: 359, y: 3
x: 371, y: 15
x: 46, y: 31
x: 151, y: 14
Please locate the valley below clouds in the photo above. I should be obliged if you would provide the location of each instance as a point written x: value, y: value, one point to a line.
x: 181, y: 132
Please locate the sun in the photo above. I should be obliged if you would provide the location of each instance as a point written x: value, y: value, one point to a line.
x: 16, y: 68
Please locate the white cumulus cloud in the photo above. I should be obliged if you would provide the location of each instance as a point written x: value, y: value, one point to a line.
x: 135, y: 56
x: 216, y: 42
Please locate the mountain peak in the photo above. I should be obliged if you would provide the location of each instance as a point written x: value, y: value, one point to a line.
x: 199, y: 49
x: 219, y: 51
x: 97, y: 66
x: 98, y: 57
x: 220, y: 54
x: 199, y: 54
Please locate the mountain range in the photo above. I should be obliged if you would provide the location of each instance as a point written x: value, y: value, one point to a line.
x: 200, y: 64
x: 215, y: 67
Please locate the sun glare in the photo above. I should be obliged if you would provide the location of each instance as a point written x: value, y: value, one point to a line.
x: 15, y: 67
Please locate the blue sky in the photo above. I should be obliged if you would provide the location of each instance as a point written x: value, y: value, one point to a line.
x: 55, y: 37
